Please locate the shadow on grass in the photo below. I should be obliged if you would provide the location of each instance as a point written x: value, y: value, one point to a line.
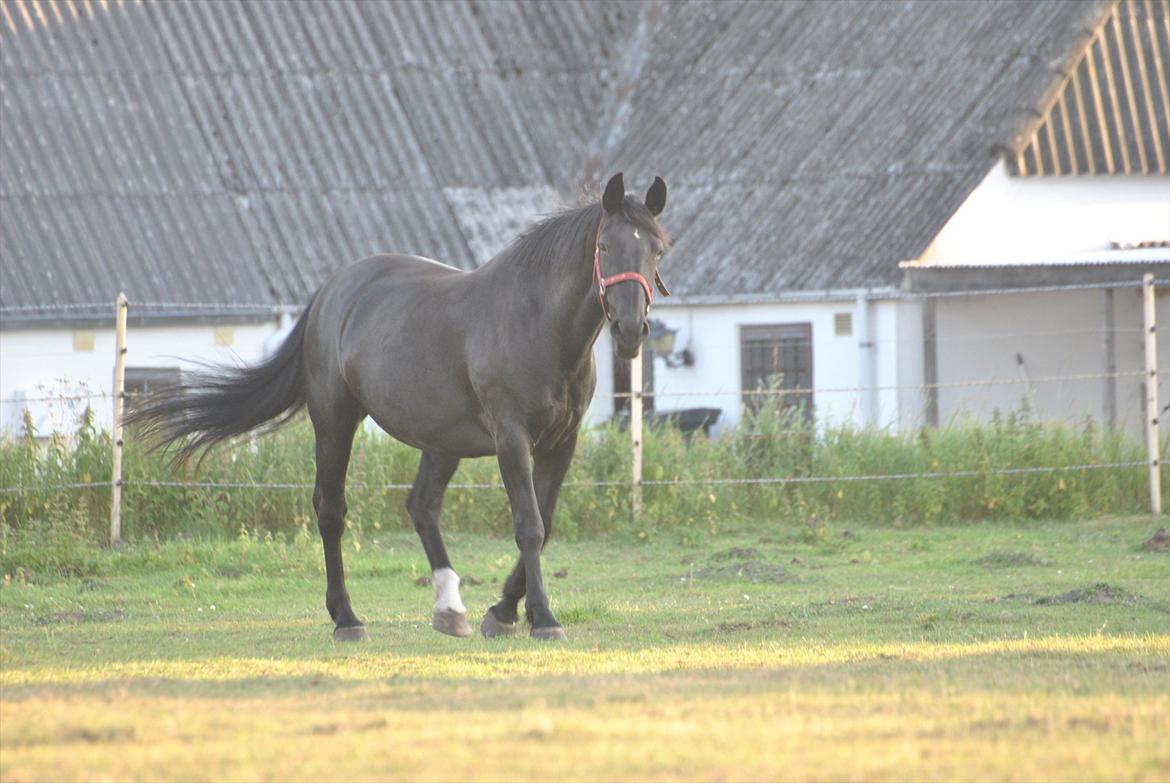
x: 1117, y: 666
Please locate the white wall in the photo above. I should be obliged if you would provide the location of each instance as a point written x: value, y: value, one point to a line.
x: 1012, y: 219
x: 712, y: 334
x: 1056, y: 334
x: 909, y: 364
x: 978, y: 339
x: 1017, y: 221
x: 43, y: 362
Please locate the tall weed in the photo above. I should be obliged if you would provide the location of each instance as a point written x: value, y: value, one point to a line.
x: 680, y: 472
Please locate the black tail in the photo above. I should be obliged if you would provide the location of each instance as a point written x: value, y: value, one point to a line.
x: 212, y: 406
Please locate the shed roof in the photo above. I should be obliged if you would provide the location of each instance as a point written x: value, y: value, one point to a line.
x: 239, y: 152
x: 1110, y: 112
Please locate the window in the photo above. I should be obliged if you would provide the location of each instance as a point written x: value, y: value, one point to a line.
x: 141, y: 380
x: 777, y: 356
x: 621, y: 382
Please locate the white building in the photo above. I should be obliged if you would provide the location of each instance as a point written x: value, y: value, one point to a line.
x: 828, y: 164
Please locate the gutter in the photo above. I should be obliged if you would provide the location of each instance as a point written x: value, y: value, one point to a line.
x: 149, y: 314
x: 787, y: 297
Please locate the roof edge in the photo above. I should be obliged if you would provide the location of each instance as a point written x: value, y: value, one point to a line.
x: 785, y: 297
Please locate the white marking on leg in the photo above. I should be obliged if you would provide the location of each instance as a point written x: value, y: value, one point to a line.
x: 447, y: 598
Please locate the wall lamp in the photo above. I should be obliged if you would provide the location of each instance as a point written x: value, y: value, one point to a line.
x: 661, y: 342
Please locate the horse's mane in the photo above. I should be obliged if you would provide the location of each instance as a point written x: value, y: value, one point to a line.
x: 543, y: 243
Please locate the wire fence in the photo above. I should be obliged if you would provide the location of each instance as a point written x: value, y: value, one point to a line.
x: 744, y: 395
x: 714, y: 481
x: 780, y: 392
x: 773, y: 392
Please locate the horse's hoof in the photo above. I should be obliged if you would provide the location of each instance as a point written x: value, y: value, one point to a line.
x: 354, y: 633
x: 552, y: 633
x: 491, y: 627
x: 451, y: 623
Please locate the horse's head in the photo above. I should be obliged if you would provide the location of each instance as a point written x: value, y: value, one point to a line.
x: 630, y: 243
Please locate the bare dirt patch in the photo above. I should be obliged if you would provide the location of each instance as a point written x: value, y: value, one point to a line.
x: 80, y: 616
x: 739, y: 564
x: 738, y: 553
x: 1099, y: 593
x: 755, y: 571
x: 750, y: 625
x: 1159, y: 542
x: 1006, y: 559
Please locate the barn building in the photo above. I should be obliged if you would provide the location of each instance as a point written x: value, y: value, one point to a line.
x: 828, y: 163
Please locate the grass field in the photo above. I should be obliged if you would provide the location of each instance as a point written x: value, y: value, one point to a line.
x: 994, y: 652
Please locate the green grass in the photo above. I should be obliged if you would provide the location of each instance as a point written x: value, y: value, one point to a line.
x: 765, y: 446
x: 762, y: 651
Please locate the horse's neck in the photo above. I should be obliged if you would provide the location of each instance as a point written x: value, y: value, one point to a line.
x: 573, y: 314
x: 569, y: 311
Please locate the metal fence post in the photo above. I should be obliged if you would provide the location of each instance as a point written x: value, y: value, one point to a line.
x: 1151, y: 334
x: 116, y: 430
x: 636, y: 433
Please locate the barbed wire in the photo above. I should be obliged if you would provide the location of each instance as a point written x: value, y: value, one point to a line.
x: 24, y: 488
x: 712, y: 481
x: 894, y: 476
x: 729, y: 392
x: 892, y: 387
x: 356, y: 485
x: 59, y: 398
x: 940, y: 340
x: 1034, y: 289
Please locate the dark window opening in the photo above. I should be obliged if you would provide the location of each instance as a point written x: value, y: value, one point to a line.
x: 774, y: 358
x: 142, y: 380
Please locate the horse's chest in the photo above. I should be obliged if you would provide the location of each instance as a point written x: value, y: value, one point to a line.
x: 552, y: 421
x: 559, y: 415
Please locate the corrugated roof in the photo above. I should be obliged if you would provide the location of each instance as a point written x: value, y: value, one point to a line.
x: 239, y: 152
x: 831, y: 141
x: 1111, y: 111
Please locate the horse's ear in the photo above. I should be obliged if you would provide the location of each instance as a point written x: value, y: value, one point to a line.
x: 656, y: 197
x: 615, y: 191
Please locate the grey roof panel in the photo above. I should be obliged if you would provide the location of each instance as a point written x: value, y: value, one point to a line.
x: 240, y: 151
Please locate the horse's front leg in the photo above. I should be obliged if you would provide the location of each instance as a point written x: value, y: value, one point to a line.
x: 548, y: 473
x: 514, y: 456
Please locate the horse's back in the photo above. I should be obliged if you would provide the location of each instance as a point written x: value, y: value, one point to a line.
x: 390, y: 267
x: 391, y: 332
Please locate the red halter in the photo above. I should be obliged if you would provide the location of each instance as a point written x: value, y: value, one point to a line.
x: 604, y: 282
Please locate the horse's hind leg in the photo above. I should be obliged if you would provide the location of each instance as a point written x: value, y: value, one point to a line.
x: 335, y: 425
x: 424, y: 503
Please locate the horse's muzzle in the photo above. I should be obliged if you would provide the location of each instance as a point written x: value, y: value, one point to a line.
x: 628, y: 337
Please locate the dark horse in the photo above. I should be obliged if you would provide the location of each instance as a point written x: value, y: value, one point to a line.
x: 457, y: 364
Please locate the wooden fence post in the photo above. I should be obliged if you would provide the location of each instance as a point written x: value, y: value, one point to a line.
x: 636, y: 434
x: 116, y: 430
x: 1151, y: 334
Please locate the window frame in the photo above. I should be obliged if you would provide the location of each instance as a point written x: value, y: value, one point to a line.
x: 138, y: 379
x: 776, y: 333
